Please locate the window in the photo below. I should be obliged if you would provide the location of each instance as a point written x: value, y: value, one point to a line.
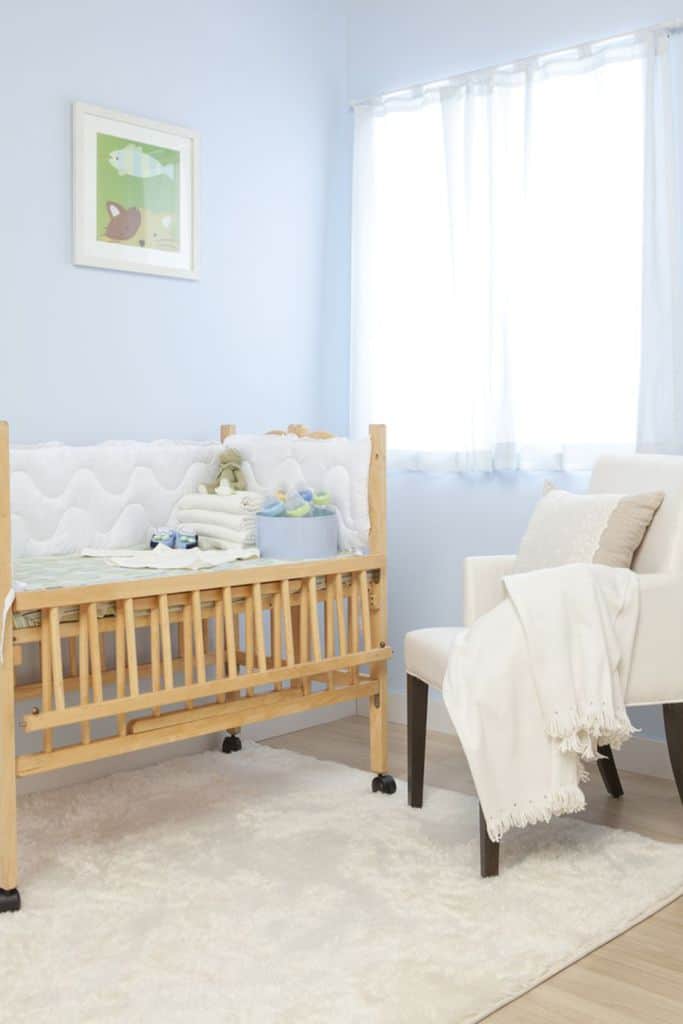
x: 498, y: 261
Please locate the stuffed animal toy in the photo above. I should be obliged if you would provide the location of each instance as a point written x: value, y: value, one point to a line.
x: 230, y: 476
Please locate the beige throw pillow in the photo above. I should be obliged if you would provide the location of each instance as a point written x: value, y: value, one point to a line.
x: 604, y: 528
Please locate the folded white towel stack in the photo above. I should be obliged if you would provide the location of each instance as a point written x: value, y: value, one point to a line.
x: 220, y: 520
x: 239, y: 502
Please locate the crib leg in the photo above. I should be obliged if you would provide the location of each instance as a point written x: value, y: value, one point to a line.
x: 9, y: 894
x: 379, y: 754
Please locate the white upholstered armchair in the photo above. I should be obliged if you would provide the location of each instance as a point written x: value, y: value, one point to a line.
x: 657, y: 666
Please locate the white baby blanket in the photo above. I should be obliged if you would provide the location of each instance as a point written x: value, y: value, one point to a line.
x: 535, y: 684
x: 162, y: 557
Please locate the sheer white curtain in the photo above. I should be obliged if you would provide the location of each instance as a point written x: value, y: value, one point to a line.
x: 498, y: 239
x: 660, y: 423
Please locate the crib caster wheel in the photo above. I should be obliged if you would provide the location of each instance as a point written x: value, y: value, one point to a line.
x: 231, y: 743
x: 9, y: 900
x: 384, y: 784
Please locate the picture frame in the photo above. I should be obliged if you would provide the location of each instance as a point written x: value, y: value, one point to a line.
x: 135, y: 194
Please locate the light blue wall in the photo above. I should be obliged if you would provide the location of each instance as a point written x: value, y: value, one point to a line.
x: 434, y: 522
x: 89, y: 354
x: 262, y: 338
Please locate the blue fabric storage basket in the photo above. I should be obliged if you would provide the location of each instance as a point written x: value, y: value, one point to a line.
x: 292, y: 538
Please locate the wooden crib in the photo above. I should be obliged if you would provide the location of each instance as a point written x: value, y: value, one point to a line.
x: 185, y: 655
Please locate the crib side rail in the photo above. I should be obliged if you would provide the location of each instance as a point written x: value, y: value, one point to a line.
x: 201, y: 656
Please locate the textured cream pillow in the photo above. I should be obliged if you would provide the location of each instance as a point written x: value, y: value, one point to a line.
x: 603, y: 528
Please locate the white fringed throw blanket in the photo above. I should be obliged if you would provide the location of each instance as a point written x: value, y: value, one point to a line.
x: 534, y: 686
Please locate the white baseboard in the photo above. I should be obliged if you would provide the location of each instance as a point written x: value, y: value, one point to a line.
x: 645, y: 756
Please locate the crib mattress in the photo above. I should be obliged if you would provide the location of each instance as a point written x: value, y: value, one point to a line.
x: 58, y: 571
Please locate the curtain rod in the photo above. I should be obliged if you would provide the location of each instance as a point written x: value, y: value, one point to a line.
x: 670, y: 26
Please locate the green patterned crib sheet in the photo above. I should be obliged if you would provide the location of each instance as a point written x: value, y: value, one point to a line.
x: 65, y: 571
x: 58, y: 571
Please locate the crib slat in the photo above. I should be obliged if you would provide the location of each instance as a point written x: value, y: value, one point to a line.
x: 185, y: 631
x: 220, y: 646
x: 46, y: 676
x: 276, y: 634
x: 72, y: 648
x: 329, y: 627
x: 353, y: 623
x: 313, y: 613
x: 258, y: 627
x: 166, y: 651
x: 304, y: 635
x: 287, y: 615
x: 200, y: 660
x: 229, y: 622
x: 120, y: 662
x: 341, y: 618
x: 249, y: 633
x: 56, y: 655
x: 365, y: 610
x: 131, y: 649
x: 303, y: 625
x: 95, y: 663
x: 249, y: 638
x: 83, y: 680
x: 155, y: 662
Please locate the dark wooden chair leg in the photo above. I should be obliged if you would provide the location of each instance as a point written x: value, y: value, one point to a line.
x: 608, y: 772
x: 673, y: 726
x: 418, y: 695
x: 489, y: 852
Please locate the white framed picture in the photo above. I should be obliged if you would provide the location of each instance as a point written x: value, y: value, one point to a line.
x: 135, y: 194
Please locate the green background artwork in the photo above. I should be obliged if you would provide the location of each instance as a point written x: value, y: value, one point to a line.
x: 149, y: 184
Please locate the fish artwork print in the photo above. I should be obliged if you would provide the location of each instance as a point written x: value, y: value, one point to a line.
x: 138, y: 194
x: 134, y: 161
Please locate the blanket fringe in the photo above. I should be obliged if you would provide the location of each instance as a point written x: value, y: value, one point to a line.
x: 580, y: 730
x: 567, y: 800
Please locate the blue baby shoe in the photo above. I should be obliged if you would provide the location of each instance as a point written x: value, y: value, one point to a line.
x: 273, y: 507
x: 163, y: 535
x: 296, y: 505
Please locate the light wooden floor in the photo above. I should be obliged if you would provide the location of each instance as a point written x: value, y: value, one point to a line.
x: 636, y: 978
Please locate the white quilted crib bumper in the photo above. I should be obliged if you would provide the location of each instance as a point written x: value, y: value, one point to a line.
x: 111, y: 495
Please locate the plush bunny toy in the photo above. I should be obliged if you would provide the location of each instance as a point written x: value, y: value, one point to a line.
x: 230, y: 475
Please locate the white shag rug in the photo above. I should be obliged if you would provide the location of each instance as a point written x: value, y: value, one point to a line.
x: 266, y: 887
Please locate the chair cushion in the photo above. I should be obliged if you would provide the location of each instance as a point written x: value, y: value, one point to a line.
x: 426, y: 653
